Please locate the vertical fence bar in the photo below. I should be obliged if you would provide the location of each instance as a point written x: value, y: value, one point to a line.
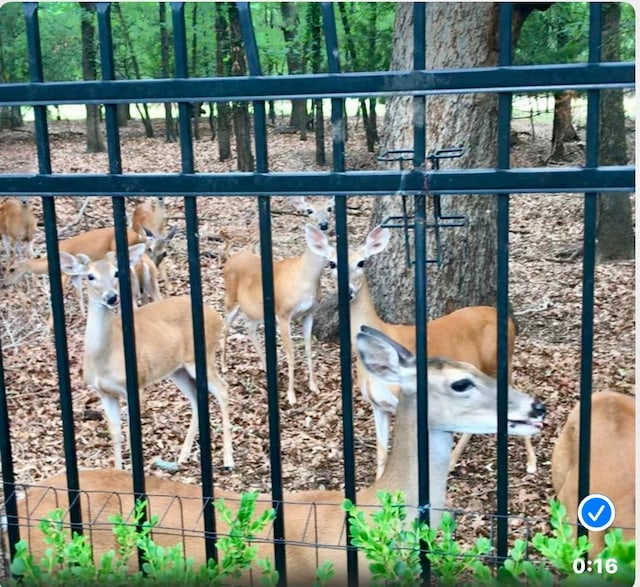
x: 502, y: 274
x: 195, y: 288
x: 122, y: 255
x: 268, y: 300
x: 57, y: 295
x: 338, y: 123
x: 588, y: 264
x: 421, y: 302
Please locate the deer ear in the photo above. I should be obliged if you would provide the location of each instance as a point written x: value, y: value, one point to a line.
x: 298, y: 202
x: 384, y: 358
x: 377, y: 241
x: 136, y: 252
x: 171, y: 233
x: 70, y: 264
x: 317, y: 240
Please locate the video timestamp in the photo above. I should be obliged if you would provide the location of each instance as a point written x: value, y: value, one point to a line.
x: 597, y: 566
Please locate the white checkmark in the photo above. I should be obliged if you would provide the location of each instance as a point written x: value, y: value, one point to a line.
x: 595, y: 516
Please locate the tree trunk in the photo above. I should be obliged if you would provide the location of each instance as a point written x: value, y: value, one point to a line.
x: 615, y: 233
x: 241, y: 119
x: 11, y: 117
x: 295, y: 62
x: 169, y: 123
x: 563, y: 129
x: 143, y: 109
x: 195, y: 107
x: 95, y: 144
x: 224, y: 112
x: 315, y: 26
x: 123, y: 115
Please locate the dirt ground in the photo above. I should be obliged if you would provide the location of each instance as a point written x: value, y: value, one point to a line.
x: 545, y: 293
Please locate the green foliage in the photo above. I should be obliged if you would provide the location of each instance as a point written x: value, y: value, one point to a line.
x: 391, y: 544
x: 69, y: 560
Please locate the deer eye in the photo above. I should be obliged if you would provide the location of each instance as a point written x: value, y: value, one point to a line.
x: 115, y: 275
x: 332, y: 264
x: 91, y: 276
x: 360, y: 264
x: 329, y: 209
x: 462, y: 385
x: 309, y: 211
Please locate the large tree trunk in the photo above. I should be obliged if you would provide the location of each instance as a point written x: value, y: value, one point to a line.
x: 241, y: 120
x: 460, y: 35
x: 615, y: 223
x: 95, y: 144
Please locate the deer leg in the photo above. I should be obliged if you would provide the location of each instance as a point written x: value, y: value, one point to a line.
x: 457, y: 450
x: 111, y: 405
x: 383, y: 421
x: 307, y: 327
x: 532, y: 461
x: 220, y: 390
x: 231, y: 316
x: 187, y: 386
x: 285, y: 332
x: 253, y: 335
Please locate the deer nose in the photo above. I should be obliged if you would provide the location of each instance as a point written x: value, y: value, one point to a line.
x: 323, y: 225
x: 538, y: 409
x: 111, y: 299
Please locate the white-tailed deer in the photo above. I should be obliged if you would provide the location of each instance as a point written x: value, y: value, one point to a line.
x: 148, y: 220
x: 318, y: 210
x: 460, y: 398
x: 296, y: 282
x: 95, y: 244
x: 164, y: 348
x: 18, y: 228
x: 468, y: 335
x: 144, y: 281
x: 612, y: 470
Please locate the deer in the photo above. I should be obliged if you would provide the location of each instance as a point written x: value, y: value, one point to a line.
x: 612, y: 465
x: 95, y: 244
x: 460, y: 398
x: 148, y: 221
x: 318, y: 211
x: 164, y: 348
x: 296, y: 285
x: 18, y: 228
x: 468, y: 334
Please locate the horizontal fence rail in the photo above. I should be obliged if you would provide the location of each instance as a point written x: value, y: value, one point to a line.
x: 189, y: 183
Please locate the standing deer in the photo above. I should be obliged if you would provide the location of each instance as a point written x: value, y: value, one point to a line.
x: 612, y: 468
x: 460, y: 398
x: 468, y: 335
x: 149, y: 221
x: 296, y: 284
x: 18, y: 228
x: 164, y: 348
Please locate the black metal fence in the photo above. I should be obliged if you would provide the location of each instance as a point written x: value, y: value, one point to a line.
x: 505, y: 80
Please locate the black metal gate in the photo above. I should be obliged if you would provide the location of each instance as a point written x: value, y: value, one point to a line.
x: 505, y: 80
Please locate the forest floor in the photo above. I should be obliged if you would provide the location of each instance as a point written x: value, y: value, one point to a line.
x: 545, y: 293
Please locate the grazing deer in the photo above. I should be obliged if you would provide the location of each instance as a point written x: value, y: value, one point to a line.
x: 460, y: 398
x: 18, y: 228
x: 164, y: 347
x: 296, y: 284
x: 148, y: 221
x: 468, y: 335
x: 612, y: 469
x: 95, y: 244
x: 318, y: 211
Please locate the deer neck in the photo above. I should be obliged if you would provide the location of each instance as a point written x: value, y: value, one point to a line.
x: 101, y: 322
x: 311, y: 266
x: 401, y: 472
x: 363, y: 312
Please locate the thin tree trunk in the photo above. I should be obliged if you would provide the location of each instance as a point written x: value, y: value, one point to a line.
x: 144, y: 109
x: 241, y: 119
x: 169, y: 122
x: 95, y: 144
x: 315, y: 26
x: 616, y: 239
x: 295, y: 62
x: 563, y: 129
x: 195, y: 107
x: 224, y: 112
